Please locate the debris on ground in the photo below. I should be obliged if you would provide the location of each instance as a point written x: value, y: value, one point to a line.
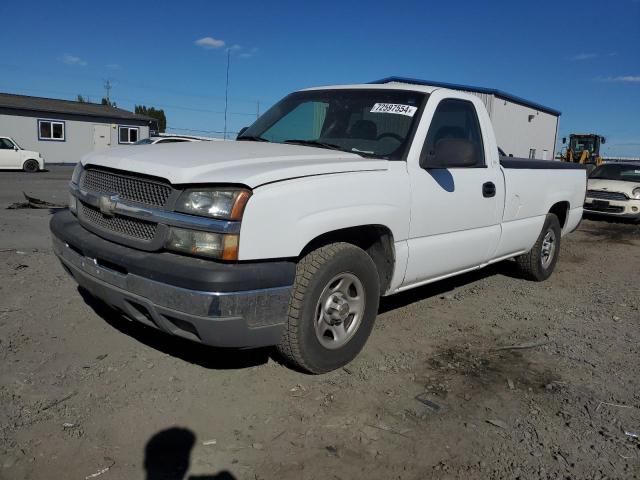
x: 33, y: 202
x: 111, y: 462
x: 333, y: 451
x: 522, y: 346
x: 428, y: 403
x: 498, y: 423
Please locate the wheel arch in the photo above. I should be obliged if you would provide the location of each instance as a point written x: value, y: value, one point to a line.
x: 561, y: 210
x: 376, y: 240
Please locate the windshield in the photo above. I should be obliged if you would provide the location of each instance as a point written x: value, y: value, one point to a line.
x: 377, y: 123
x: 579, y: 144
x: 144, y: 141
x: 611, y: 171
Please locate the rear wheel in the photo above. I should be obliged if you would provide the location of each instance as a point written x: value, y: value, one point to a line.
x: 332, y: 309
x: 31, y: 166
x: 538, y: 264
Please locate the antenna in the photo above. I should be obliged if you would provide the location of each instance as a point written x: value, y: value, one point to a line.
x: 226, y: 94
x: 107, y: 87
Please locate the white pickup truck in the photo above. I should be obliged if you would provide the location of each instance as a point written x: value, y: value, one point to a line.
x: 289, y: 235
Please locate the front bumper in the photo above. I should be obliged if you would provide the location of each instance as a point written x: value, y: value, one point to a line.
x: 224, y: 305
x: 615, y: 208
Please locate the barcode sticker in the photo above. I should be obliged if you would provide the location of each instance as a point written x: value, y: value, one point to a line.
x: 396, y: 108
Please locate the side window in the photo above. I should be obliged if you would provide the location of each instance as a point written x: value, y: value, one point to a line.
x: 6, y: 144
x: 455, y: 120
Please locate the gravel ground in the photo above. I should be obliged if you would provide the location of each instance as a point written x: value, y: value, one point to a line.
x: 86, y: 394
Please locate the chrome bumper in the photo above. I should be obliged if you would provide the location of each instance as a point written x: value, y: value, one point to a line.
x: 231, y: 319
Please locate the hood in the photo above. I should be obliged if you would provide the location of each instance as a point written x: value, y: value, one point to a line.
x: 248, y: 163
x: 612, y: 185
x: 30, y: 153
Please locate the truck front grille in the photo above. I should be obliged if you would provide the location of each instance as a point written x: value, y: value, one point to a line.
x: 130, y: 188
x: 606, y: 195
x: 126, y: 226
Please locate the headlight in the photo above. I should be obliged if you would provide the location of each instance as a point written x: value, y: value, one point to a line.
x: 75, y: 176
x: 221, y: 203
x: 207, y: 244
x: 635, y: 193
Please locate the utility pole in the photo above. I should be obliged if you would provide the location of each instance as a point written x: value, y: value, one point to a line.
x: 107, y: 87
x: 226, y: 93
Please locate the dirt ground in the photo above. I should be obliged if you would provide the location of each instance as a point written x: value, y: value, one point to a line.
x: 86, y: 394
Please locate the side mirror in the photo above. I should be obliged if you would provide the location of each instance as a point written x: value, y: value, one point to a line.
x: 15, y: 148
x: 450, y: 153
x: 242, y: 130
x: 564, y: 140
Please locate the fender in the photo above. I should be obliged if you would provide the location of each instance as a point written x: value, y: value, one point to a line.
x: 281, y: 218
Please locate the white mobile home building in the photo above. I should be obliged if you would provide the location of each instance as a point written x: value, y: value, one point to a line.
x: 63, y: 130
x: 523, y: 128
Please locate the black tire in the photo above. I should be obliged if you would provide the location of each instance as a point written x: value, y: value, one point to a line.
x: 300, y: 345
x: 31, y: 166
x: 533, y: 265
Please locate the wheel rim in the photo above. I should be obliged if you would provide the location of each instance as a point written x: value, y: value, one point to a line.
x: 339, y: 310
x: 548, y: 248
x: 31, y: 166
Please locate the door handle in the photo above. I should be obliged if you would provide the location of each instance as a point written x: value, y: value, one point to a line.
x: 488, y: 190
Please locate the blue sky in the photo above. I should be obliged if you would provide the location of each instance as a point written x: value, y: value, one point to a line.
x: 581, y: 57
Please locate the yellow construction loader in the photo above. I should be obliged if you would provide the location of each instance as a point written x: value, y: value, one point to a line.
x: 583, y: 148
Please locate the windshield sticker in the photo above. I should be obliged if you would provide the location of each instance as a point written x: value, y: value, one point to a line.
x: 396, y: 108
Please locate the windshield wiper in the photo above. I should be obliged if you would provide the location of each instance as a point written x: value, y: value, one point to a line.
x: 252, y: 138
x: 315, y: 143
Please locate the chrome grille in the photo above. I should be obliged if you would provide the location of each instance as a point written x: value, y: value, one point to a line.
x: 130, y: 227
x: 606, y: 195
x: 128, y: 188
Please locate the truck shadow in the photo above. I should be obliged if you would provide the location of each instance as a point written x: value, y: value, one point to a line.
x: 399, y: 300
x: 203, y: 355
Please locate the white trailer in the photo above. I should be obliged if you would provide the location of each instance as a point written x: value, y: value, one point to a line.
x: 523, y: 128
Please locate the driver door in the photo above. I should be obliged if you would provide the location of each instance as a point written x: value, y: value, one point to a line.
x: 455, y: 211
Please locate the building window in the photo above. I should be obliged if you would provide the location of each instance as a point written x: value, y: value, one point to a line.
x: 128, y: 134
x: 51, y: 130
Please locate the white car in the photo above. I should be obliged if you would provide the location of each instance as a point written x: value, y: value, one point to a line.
x: 613, y: 189
x: 169, y: 139
x: 13, y: 156
x: 289, y: 235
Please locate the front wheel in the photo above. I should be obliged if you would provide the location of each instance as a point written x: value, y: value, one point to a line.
x: 333, y: 306
x: 538, y: 264
x: 31, y: 166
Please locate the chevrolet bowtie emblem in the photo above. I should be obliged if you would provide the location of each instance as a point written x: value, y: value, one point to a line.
x: 107, y: 204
